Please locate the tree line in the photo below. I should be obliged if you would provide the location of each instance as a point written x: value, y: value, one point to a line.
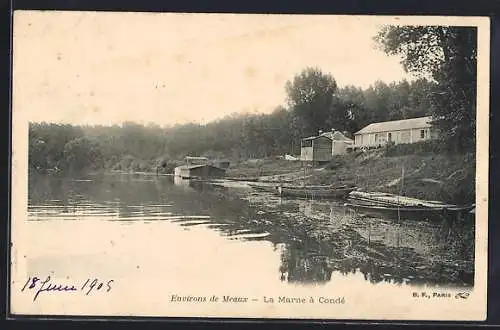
x: 445, y: 56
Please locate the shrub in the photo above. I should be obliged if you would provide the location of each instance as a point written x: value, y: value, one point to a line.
x: 419, y: 148
x: 335, y: 163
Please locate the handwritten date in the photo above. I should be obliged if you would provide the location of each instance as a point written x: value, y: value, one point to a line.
x: 38, y: 286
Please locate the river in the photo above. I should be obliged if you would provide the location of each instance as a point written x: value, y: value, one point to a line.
x: 228, y: 232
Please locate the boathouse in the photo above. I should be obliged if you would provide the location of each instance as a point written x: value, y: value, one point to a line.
x: 397, y: 131
x: 198, y: 168
x: 199, y: 172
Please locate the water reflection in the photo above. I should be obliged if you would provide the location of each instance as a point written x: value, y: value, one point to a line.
x: 301, y: 265
x: 313, y: 239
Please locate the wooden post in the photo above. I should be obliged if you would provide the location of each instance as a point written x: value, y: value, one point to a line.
x: 397, y: 235
x: 369, y: 232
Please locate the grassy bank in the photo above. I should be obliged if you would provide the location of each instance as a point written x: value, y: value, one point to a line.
x: 435, y: 176
x: 263, y: 167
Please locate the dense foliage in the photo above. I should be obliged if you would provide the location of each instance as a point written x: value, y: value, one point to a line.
x: 449, y: 56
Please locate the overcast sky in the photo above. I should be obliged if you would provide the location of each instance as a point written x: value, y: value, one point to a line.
x: 106, y: 68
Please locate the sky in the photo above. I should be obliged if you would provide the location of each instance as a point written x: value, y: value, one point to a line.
x: 107, y: 68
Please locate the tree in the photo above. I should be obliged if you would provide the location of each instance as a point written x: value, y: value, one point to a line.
x: 354, y: 102
x: 399, y: 101
x: 418, y: 100
x: 83, y: 153
x: 377, y: 99
x: 46, y: 143
x: 312, y: 100
x: 448, y: 55
x: 284, y: 134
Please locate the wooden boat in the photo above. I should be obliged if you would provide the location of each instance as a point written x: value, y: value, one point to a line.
x: 401, y: 207
x: 412, y: 213
x: 266, y: 188
x: 303, y: 191
x: 246, y: 179
x: 386, y: 199
x: 316, y: 192
x: 318, y: 187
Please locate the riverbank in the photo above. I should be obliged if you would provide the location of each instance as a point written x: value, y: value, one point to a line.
x: 445, y: 177
x: 449, y: 178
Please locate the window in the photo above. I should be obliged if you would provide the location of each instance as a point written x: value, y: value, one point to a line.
x: 422, y: 133
x: 306, y: 143
x: 389, y: 136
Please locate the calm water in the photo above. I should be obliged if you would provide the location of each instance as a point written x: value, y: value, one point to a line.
x: 201, y: 228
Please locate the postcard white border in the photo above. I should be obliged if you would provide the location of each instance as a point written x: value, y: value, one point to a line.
x: 379, y: 303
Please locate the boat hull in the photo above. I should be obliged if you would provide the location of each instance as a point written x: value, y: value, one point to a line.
x: 306, y: 191
x: 273, y: 189
x: 412, y: 213
x: 315, y: 192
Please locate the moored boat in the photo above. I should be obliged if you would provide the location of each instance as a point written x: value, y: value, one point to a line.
x: 306, y: 191
x: 401, y: 207
x: 316, y: 192
x: 266, y: 188
x: 386, y: 199
x: 245, y: 179
x: 412, y: 213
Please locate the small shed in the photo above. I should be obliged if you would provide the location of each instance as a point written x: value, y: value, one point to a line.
x: 340, y: 142
x: 316, y: 149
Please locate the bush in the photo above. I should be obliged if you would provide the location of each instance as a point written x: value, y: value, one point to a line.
x: 419, y: 148
x: 335, y: 163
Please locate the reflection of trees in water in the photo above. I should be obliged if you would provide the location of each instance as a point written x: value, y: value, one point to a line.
x: 135, y: 195
x: 314, y: 246
x: 309, y: 257
x: 59, y: 190
x: 457, y: 239
x: 307, y: 260
x: 300, y: 265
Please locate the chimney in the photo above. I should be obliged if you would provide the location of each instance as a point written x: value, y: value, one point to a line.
x: 320, y: 132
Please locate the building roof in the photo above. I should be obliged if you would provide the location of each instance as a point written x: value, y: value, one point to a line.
x: 396, y: 125
x: 190, y: 167
x: 315, y: 137
x: 337, y: 136
x: 334, y: 135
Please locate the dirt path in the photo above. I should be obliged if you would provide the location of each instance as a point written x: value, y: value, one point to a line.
x: 291, y: 176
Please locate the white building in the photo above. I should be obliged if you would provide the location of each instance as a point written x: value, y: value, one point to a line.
x: 396, y: 131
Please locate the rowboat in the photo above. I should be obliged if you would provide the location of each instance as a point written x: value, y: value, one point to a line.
x: 306, y: 191
x: 316, y: 192
x: 313, y: 187
x: 386, y: 199
x: 412, y: 213
x: 401, y: 207
x: 266, y: 188
x: 246, y: 179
